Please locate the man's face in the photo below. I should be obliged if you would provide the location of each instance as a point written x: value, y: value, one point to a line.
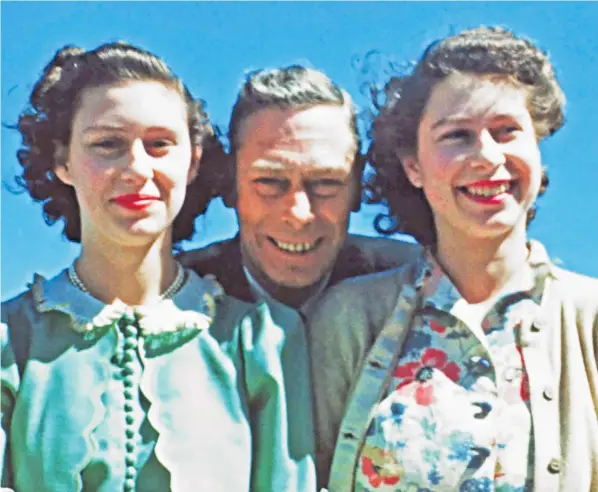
x: 295, y: 190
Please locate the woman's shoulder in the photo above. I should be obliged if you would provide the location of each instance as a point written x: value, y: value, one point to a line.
x: 577, y: 283
x: 22, y: 301
x: 576, y: 288
x: 24, y: 308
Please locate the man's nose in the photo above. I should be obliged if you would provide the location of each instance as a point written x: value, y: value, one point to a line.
x: 300, y: 212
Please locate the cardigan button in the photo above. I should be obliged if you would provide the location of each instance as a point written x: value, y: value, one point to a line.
x: 554, y: 466
x: 376, y: 364
x: 548, y: 394
x: 348, y: 435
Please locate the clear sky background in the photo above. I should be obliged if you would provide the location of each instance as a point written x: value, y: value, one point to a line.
x: 212, y: 45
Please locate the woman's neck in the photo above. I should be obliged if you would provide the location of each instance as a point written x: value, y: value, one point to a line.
x: 137, y: 275
x: 481, y: 267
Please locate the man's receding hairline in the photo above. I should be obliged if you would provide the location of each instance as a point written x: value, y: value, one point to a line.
x: 347, y: 109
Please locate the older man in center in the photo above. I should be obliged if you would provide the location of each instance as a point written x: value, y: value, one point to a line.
x: 294, y: 176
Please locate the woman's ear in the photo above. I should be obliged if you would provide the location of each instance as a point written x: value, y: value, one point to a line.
x: 412, y: 170
x: 196, y: 154
x: 61, y: 165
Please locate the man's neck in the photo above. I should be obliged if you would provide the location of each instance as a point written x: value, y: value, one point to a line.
x: 294, y: 297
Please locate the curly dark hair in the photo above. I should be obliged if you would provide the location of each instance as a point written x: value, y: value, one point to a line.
x: 292, y: 87
x: 481, y: 51
x: 45, y: 126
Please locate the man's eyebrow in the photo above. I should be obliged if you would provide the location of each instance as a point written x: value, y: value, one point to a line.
x: 333, y: 172
x: 270, y: 165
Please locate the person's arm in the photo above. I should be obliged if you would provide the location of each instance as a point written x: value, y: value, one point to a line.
x: 342, y: 328
x: 9, y: 383
x: 276, y: 373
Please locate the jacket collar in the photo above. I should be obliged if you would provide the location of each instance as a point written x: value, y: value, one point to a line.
x: 350, y: 262
x: 193, y: 307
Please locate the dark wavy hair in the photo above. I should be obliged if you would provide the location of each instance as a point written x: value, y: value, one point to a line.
x: 292, y: 87
x: 45, y: 126
x: 399, y: 107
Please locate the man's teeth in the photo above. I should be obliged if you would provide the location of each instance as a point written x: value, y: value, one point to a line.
x: 488, y: 191
x: 295, y: 247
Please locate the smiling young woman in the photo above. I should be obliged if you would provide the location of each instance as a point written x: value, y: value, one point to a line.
x: 127, y: 371
x: 475, y: 367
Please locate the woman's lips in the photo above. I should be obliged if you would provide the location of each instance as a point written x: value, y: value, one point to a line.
x: 489, y: 192
x: 135, y: 201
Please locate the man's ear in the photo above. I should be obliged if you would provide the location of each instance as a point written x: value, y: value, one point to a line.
x: 357, y: 184
x: 229, y: 185
x: 412, y: 170
x: 61, y: 165
x: 196, y: 154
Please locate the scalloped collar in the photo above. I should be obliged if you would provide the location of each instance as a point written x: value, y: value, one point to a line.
x: 193, y: 307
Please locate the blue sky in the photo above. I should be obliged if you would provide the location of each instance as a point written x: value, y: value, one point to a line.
x: 212, y: 45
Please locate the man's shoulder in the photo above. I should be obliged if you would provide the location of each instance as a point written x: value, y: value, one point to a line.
x: 222, y: 259
x: 209, y: 253
x: 383, y: 246
x: 215, y: 258
x: 362, y: 255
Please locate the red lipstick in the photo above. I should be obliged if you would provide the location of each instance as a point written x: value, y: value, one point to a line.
x: 490, y: 192
x: 135, y: 201
x: 489, y: 182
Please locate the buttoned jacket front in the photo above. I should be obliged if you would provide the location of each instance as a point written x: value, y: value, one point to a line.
x: 211, y: 405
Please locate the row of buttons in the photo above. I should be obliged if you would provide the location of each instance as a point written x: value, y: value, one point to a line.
x: 130, y: 332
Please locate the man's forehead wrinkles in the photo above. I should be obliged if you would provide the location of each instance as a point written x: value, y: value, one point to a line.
x: 282, y: 164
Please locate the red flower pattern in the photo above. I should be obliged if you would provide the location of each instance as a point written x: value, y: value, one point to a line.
x: 370, y: 470
x: 431, y: 358
x: 437, y: 327
x: 524, y: 389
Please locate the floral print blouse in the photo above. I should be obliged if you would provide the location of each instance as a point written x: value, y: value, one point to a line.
x: 456, y: 414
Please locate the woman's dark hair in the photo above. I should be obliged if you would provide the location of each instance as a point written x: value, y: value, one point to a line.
x: 482, y: 51
x: 46, y: 125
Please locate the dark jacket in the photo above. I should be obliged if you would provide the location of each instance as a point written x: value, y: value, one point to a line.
x: 359, y: 255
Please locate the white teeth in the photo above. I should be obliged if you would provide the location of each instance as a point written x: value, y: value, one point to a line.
x: 295, y: 247
x: 487, y: 191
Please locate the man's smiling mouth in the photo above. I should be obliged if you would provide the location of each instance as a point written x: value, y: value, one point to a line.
x: 296, y: 248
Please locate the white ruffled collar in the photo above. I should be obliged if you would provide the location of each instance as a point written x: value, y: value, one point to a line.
x: 193, y: 307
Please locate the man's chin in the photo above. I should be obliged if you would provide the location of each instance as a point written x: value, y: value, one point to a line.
x: 298, y: 280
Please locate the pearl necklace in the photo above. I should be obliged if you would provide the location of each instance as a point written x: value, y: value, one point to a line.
x: 170, y: 291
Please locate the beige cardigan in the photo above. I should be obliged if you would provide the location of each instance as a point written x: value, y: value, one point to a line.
x: 358, y: 328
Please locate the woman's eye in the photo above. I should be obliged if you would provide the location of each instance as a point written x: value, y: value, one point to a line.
x: 459, y: 134
x: 159, y: 147
x: 108, y: 144
x: 506, y: 131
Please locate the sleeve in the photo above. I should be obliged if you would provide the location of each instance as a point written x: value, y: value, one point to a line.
x: 342, y: 328
x: 276, y: 372
x: 9, y: 381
